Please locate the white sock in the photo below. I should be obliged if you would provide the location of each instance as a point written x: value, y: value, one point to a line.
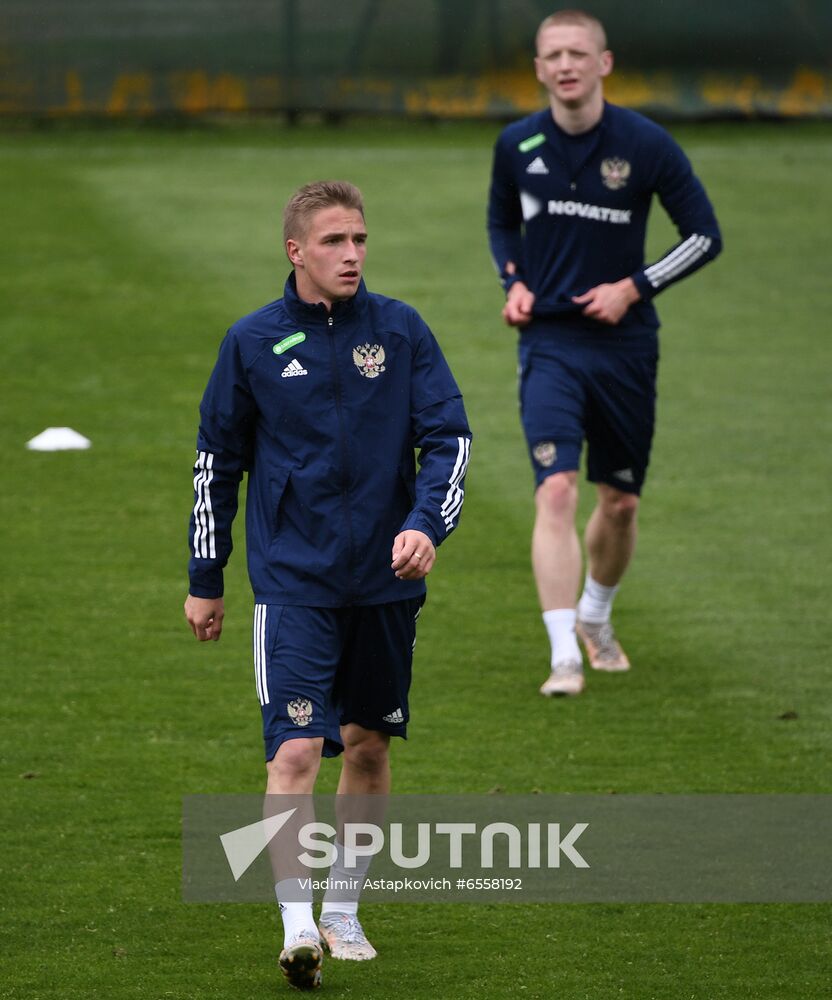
x: 343, y: 898
x: 296, y: 916
x: 595, y: 604
x: 560, y: 624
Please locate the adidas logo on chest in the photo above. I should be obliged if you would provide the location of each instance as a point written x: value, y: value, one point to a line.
x: 537, y: 166
x: 293, y: 369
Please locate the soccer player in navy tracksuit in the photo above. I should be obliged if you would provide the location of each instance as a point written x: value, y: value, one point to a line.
x: 570, y: 194
x: 322, y: 397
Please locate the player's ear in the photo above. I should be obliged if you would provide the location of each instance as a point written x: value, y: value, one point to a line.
x: 606, y: 62
x: 294, y: 252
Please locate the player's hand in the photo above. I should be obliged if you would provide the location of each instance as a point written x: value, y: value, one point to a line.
x: 608, y: 303
x: 205, y: 615
x: 413, y: 555
x: 519, y: 303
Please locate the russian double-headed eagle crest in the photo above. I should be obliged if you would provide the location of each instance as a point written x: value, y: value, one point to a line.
x: 615, y: 172
x: 369, y: 359
x: 545, y: 453
x: 300, y: 711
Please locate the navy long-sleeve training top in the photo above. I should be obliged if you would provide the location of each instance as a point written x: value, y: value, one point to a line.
x: 570, y: 212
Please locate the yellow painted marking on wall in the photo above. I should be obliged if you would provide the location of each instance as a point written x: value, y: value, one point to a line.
x: 196, y: 92
x: 511, y: 93
x: 721, y: 93
x: 809, y: 92
x: 132, y: 93
x: 74, y: 89
x: 635, y: 90
x: 462, y: 95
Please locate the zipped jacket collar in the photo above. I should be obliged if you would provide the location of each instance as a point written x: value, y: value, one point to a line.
x: 308, y: 312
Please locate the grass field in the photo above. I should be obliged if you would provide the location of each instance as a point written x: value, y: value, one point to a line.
x: 125, y: 256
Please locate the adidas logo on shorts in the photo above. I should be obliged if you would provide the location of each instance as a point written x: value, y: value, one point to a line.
x: 293, y: 368
x: 394, y: 716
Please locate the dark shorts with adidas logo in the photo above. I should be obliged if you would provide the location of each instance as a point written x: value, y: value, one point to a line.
x: 317, y: 669
x: 592, y: 384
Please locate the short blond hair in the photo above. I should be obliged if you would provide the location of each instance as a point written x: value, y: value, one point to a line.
x: 580, y: 18
x: 312, y: 198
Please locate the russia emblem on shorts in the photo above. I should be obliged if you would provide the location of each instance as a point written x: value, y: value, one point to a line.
x: 545, y: 453
x: 300, y: 711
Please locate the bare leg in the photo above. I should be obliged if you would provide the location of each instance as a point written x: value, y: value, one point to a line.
x: 292, y: 772
x: 556, y: 551
x: 365, y: 778
x: 611, y: 534
x: 556, y: 560
x: 362, y: 799
x: 294, y: 768
x: 366, y: 766
x: 610, y: 542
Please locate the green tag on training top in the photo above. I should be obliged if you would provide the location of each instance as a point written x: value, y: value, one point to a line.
x: 532, y: 142
x: 284, y: 345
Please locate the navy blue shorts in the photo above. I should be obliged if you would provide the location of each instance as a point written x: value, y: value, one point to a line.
x: 317, y: 669
x: 578, y: 386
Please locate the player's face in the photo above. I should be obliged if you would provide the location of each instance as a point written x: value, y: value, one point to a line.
x: 571, y: 64
x: 329, y: 258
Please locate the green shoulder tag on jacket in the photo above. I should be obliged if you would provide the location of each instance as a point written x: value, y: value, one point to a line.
x: 532, y: 142
x: 284, y: 345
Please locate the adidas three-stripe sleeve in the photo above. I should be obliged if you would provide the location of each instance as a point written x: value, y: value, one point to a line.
x: 442, y: 437
x: 223, y: 454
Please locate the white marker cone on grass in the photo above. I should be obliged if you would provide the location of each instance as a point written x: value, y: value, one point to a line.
x: 59, y: 439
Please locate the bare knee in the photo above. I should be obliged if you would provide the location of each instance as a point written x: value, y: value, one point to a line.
x: 557, y: 496
x: 365, y: 750
x: 295, y: 763
x: 618, y: 507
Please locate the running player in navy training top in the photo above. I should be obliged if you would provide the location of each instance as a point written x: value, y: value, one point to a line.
x: 322, y: 396
x: 571, y: 189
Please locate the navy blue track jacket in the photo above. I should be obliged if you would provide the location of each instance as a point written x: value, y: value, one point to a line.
x: 324, y: 410
x: 571, y: 211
